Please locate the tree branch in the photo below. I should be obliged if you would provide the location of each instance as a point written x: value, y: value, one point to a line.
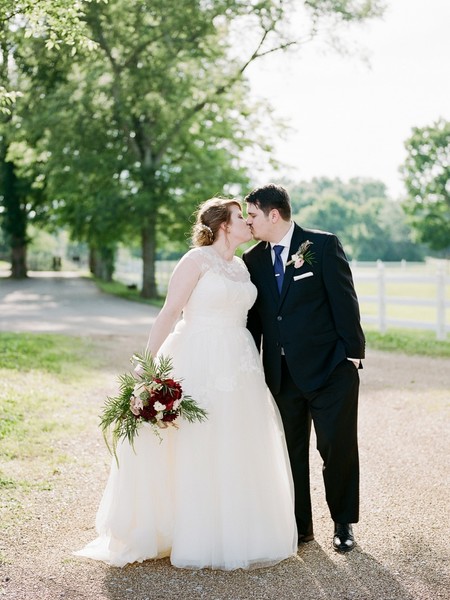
x: 221, y: 89
x: 118, y: 109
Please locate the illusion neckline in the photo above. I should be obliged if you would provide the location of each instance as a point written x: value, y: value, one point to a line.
x: 217, y: 253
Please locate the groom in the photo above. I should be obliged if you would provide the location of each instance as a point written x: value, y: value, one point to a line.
x: 306, y: 321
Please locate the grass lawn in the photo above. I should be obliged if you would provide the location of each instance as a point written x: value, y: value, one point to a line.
x: 41, y: 376
x: 407, y: 341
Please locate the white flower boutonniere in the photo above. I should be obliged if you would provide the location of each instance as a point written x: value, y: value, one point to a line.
x: 302, y: 255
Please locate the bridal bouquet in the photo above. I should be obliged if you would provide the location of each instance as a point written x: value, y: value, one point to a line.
x: 150, y: 395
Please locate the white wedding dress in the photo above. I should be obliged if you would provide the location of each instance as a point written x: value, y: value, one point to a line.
x: 219, y: 493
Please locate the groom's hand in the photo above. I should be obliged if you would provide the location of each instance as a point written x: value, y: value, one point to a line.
x: 355, y: 361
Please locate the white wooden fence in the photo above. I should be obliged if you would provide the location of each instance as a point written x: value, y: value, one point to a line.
x: 381, y: 276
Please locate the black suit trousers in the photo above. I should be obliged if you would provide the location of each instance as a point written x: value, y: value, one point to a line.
x: 333, y: 409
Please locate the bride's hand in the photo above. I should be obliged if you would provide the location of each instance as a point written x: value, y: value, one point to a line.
x: 138, y: 370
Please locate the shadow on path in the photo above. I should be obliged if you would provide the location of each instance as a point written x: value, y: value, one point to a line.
x: 312, y: 575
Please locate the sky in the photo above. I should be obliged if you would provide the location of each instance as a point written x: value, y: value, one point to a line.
x: 349, y: 118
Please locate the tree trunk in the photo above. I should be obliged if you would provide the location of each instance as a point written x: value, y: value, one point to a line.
x: 92, y: 260
x: 14, y: 218
x: 101, y: 262
x: 148, y: 237
x: 19, y: 261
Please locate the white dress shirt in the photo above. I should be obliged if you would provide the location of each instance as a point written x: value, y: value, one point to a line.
x: 286, y: 242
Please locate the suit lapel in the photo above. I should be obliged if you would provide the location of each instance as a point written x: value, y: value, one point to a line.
x: 297, y: 239
x: 269, y: 275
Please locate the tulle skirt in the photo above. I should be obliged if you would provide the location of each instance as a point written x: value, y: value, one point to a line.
x: 216, y: 494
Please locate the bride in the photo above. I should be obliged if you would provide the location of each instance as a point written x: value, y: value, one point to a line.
x: 216, y: 494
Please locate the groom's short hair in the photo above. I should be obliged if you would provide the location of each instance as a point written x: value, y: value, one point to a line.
x: 271, y: 196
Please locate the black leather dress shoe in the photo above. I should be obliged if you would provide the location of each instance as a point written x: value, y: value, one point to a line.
x: 343, y: 540
x: 303, y: 538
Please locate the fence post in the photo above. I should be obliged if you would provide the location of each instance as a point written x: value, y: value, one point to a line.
x: 381, y: 297
x: 440, y: 303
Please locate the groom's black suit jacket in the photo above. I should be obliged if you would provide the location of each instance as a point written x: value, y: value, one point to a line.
x: 315, y: 319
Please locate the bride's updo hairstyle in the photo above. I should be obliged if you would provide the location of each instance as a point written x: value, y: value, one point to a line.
x: 210, y: 216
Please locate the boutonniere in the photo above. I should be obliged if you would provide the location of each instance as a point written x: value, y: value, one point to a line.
x: 302, y: 255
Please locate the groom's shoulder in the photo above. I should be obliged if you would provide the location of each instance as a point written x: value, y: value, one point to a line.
x: 315, y: 232
x: 317, y: 235
x: 254, y: 250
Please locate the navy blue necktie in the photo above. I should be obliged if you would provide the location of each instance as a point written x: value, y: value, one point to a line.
x: 278, y: 266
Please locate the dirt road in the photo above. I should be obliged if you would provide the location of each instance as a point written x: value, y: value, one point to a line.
x: 67, y: 303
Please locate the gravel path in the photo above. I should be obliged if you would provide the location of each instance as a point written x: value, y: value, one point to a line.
x: 402, y: 551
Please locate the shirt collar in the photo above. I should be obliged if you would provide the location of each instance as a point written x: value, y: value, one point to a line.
x: 286, y: 240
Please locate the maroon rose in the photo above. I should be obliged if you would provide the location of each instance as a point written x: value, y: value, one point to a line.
x: 160, y: 396
x: 168, y: 393
x: 168, y: 417
x: 148, y: 413
x: 174, y: 389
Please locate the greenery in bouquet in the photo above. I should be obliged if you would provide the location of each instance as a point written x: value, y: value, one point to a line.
x: 147, y: 394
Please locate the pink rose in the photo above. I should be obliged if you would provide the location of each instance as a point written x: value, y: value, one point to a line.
x: 136, y: 405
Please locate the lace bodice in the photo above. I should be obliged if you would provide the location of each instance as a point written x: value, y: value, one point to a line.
x: 208, y: 259
x: 224, y: 292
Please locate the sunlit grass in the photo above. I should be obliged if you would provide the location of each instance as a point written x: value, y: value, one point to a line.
x: 36, y: 372
x: 45, y: 385
x: 50, y: 353
x: 33, y: 414
x: 423, y: 343
x: 33, y: 367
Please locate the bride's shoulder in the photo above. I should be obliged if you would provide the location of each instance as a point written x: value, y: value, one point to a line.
x: 199, y: 252
x: 238, y: 261
x: 200, y: 255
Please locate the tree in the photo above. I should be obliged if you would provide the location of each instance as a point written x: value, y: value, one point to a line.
x: 370, y: 225
x: 29, y: 29
x: 173, y: 87
x: 26, y: 64
x: 58, y: 21
x: 427, y: 178
x: 16, y: 192
x: 165, y: 81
